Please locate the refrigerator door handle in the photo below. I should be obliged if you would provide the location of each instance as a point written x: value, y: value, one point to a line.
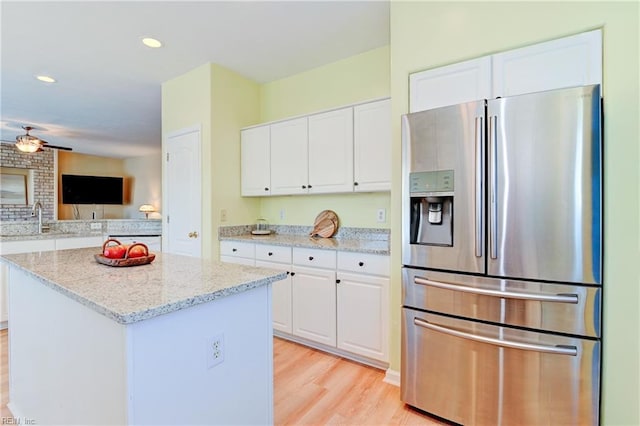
x: 479, y: 139
x: 493, y: 170
x: 558, y: 298
x: 559, y: 350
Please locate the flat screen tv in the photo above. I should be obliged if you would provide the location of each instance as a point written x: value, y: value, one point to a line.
x: 78, y: 189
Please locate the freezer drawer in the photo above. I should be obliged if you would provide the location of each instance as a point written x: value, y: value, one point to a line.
x: 479, y: 374
x: 561, y: 308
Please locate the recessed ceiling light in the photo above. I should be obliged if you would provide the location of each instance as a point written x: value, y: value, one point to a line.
x: 151, y: 42
x: 46, y: 78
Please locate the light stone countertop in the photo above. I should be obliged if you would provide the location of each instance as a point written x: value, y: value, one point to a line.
x: 49, y: 235
x: 131, y: 294
x: 343, y: 244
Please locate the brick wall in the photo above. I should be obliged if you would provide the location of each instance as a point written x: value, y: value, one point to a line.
x: 41, y: 164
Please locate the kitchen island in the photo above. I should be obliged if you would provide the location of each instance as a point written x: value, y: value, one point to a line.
x: 178, y: 341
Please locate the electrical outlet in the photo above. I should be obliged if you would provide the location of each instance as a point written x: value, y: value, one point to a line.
x: 97, y: 226
x: 223, y: 215
x: 381, y: 215
x: 281, y: 214
x: 215, y: 350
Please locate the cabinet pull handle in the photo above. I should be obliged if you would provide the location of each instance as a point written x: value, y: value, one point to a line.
x: 270, y: 254
x: 310, y: 257
x: 337, y: 281
x: 293, y: 273
x: 360, y: 263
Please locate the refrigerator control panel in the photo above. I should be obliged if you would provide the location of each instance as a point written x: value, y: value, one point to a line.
x: 436, y: 181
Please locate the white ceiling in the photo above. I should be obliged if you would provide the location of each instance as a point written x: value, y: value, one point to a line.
x: 106, y: 100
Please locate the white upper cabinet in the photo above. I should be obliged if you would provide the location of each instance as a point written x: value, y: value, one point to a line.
x: 255, y: 161
x: 566, y: 62
x: 331, y: 151
x: 289, y: 153
x: 372, y: 146
x: 342, y: 150
x: 450, y: 85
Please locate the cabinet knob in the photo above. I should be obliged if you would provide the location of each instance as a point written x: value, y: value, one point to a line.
x: 288, y: 273
x: 355, y: 183
x: 337, y: 281
x: 270, y: 254
x: 360, y: 263
x: 234, y: 250
x: 266, y: 189
x: 293, y: 273
x: 304, y: 186
x: 309, y: 186
x: 310, y: 257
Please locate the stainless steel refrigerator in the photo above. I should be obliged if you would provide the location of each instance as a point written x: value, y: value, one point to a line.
x: 502, y: 254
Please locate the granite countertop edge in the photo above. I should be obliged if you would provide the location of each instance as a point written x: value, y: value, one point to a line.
x: 303, y: 241
x: 153, y: 311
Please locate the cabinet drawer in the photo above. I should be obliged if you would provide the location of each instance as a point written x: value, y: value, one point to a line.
x: 236, y: 249
x: 271, y: 253
x: 374, y: 264
x: 314, y: 258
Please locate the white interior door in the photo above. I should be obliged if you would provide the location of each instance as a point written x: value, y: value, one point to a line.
x: 183, y: 198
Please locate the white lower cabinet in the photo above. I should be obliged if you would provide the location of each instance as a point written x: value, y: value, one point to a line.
x: 278, y: 257
x: 363, y: 304
x: 241, y: 253
x: 79, y: 242
x: 314, y: 304
x: 337, y: 299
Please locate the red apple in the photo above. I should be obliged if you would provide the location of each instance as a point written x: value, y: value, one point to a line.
x: 115, y: 252
x: 137, y: 251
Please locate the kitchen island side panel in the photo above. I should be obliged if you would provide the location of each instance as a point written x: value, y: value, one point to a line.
x: 71, y: 365
x: 171, y: 361
x: 67, y: 363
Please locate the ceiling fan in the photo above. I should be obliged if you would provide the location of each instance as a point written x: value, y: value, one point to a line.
x: 30, y: 144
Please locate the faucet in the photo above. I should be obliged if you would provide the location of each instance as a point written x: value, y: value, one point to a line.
x: 37, y: 206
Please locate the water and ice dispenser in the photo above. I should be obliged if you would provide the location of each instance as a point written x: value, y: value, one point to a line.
x: 432, y: 207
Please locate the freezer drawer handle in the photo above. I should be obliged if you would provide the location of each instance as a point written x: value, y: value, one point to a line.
x: 559, y: 349
x: 560, y: 298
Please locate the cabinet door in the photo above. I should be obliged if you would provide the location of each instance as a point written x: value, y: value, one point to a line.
x: 255, y: 161
x: 566, y: 62
x: 331, y: 151
x: 80, y: 242
x: 314, y: 304
x: 280, y: 297
x: 450, y: 85
x: 372, y: 146
x: 289, y: 160
x: 362, y: 315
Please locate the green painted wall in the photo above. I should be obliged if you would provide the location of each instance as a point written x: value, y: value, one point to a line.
x: 358, y: 78
x: 221, y: 102
x: 235, y: 104
x: 429, y: 34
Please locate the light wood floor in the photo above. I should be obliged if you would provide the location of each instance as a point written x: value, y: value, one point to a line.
x: 311, y: 387
x: 316, y: 388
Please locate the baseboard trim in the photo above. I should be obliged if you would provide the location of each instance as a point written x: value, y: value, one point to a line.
x: 392, y: 377
x: 332, y: 350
